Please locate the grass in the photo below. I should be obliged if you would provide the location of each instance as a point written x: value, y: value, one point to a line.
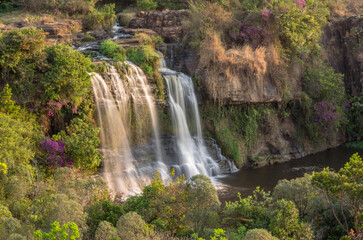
x: 22, y: 15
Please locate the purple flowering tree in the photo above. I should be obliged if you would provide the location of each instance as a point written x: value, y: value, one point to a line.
x: 327, y: 115
x: 55, y: 153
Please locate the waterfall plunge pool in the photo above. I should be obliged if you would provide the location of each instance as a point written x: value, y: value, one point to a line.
x: 246, y: 180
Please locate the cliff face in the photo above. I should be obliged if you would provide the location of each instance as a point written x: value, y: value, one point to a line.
x: 246, y: 76
x: 343, y: 43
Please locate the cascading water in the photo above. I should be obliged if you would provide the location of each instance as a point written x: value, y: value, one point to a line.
x: 193, y: 156
x: 113, y: 97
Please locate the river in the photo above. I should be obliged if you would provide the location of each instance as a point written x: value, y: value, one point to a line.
x: 246, y: 180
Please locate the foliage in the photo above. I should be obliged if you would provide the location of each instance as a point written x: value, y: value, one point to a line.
x: 103, y: 17
x: 307, y: 198
x: 7, y: 105
x: 100, y: 212
x: 54, y: 153
x: 105, y: 231
x: 250, y: 211
x: 21, y: 59
x: 132, y: 226
x: 285, y: 222
x: 147, y: 4
x: 355, y: 116
x: 259, y: 234
x: 321, y: 82
x: 68, y: 231
x: 3, y: 168
x: 88, y: 38
x: 81, y: 142
x: 113, y: 50
x: 202, y: 201
x: 145, y: 58
x: 347, y: 187
x: 300, y: 22
x: 68, y: 76
x: 162, y: 203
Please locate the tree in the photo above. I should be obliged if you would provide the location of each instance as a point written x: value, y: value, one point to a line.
x: 285, y: 222
x: 132, y: 227
x: 346, y: 187
x: 105, y: 231
x: 259, y: 234
x: 68, y: 231
x: 202, y: 201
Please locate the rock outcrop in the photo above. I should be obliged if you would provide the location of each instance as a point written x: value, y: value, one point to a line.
x: 56, y: 30
x: 168, y: 24
x: 343, y: 43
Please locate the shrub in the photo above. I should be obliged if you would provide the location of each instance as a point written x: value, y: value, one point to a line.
x: 21, y: 60
x: 285, y: 222
x: 259, y: 234
x: 68, y: 231
x: 145, y: 57
x: 67, y: 76
x: 100, y: 212
x: 132, y: 226
x: 146, y: 4
x: 88, y: 38
x: 202, y: 201
x: 105, y: 231
x: 104, y: 17
x: 81, y: 142
x: 321, y: 82
x: 162, y: 203
x: 54, y: 153
x: 250, y: 212
x: 300, y: 22
x: 113, y: 50
x: 345, y: 187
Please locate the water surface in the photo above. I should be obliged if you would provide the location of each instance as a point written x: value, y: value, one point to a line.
x: 246, y: 180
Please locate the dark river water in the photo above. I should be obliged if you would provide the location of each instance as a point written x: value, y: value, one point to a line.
x: 246, y: 180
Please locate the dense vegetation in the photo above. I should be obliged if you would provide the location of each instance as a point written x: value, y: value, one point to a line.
x: 49, y: 138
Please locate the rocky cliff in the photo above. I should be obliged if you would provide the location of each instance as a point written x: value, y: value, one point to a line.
x: 343, y: 43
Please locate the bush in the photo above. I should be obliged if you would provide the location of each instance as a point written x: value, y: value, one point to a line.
x: 146, y: 4
x: 81, y: 142
x: 285, y: 222
x: 67, y: 77
x: 104, y: 17
x: 100, y: 212
x: 68, y: 231
x: 113, y: 50
x: 202, y: 202
x: 105, y: 231
x: 300, y: 23
x: 132, y: 226
x: 259, y: 234
x: 321, y: 82
x: 145, y: 57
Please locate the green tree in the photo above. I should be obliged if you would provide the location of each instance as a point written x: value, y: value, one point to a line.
x: 346, y: 187
x: 131, y: 226
x: 68, y: 231
x: 105, y: 231
x: 81, y: 140
x: 259, y: 234
x: 202, y: 201
x: 285, y: 222
x: 67, y: 75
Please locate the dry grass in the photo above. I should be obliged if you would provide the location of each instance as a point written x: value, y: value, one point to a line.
x: 239, y: 65
x: 24, y: 16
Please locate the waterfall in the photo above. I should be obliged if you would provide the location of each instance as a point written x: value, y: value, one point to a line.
x: 192, y: 154
x: 121, y: 124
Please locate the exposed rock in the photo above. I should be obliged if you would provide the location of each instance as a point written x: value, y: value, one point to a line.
x: 167, y: 23
x: 342, y: 41
x: 56, y: 30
